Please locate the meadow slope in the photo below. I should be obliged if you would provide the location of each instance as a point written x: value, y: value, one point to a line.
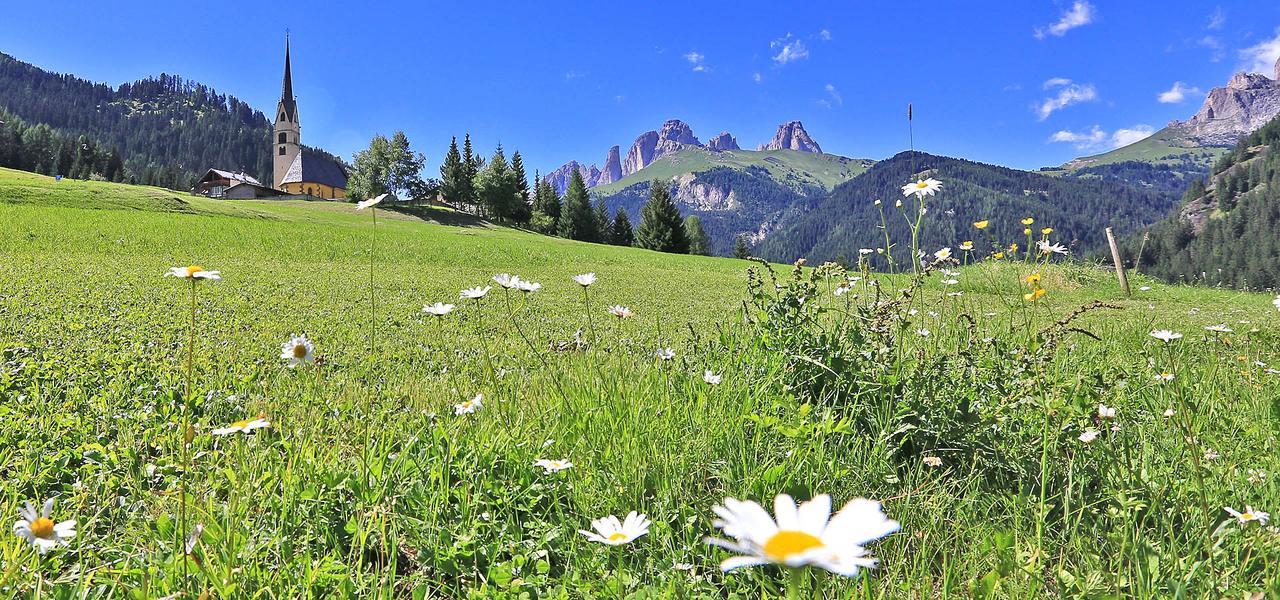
x: 367, y: 484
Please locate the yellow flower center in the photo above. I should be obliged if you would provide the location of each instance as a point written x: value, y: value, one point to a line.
x: 920, y: 185
x: 788, y: 543
x: 193, y: 269
x: 42, y: 528
x: 617, y: 536
x: 240, y: 424
x: 299, y: 351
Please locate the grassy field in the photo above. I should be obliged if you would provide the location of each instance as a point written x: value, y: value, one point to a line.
x: 367, y: 484
x: 1162, y: 147
x: 826, y: 170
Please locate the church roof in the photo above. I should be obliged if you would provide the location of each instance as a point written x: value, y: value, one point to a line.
x: 288, y: 103
x: 310, y: 167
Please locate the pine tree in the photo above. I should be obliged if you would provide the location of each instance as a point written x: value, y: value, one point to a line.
x: 661, y: 228
x: 521, y: 211
x: 451, y: 174
x: 470, y: 168
x: 602, y: 222
x: 496, y: 188
x: 577, y: 220
x: 620, y: 233
x: 698, y: 242
x: 740, y: 248
x: 546, y: 207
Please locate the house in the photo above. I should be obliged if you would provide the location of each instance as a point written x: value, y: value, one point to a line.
x: 217, y: 183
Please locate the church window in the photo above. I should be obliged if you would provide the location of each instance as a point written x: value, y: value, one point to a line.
x: 281, y: 150
x: 284, y: 137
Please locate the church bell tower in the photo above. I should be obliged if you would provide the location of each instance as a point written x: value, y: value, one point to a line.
x: 287, y: 135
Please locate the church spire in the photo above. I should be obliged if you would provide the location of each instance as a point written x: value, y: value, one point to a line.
x: 287, y: 102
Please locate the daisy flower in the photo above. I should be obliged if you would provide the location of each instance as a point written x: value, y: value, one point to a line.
x: 244, y: 427
x: 922, y: 188
x: 552, y: 465
x: 1248, y: 515
x: 1219, y: 328
x: 923, y: 332
x: 621, y: 312
x: 666, y: 353
x: 1165, y: 377
x: 193, y: 272
x: 1169, y: 412
x: 585, y: 279
x: 528, y: 286
x: 802, y: 535
x: 474, y: 293
x: 469, y: 406
x: 711, y: 378
x: 610, y: 531
x: 438, y: 309
x: 39, y: 529
x: 298, y: 350
x: 865, y: 251
x: 841, y: 290
x: 942, y: 254
x: 507, y: 280
x: 1165, y: 335
x: 1089, y: 435
x: 966, y: 245
x: 1106, y: 412
x: 1046, y: 248
x: 363, y: 204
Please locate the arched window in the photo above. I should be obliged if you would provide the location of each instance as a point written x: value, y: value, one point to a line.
x: 281, y: 150
x: 284, y: 137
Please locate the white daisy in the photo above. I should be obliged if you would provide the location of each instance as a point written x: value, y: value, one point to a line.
x: 39, y: 529
x: 298, y: 350
x: 438, y: 309
x: 1168, y: 412
x: 1165, y: 335
x: 528, y: 286
x: 1046, y: 248
x: 802, y: 535
x: 666, y: 353
x: 363, y: 204
x: 950, y: 282
x: 922, y: 188
x: 585, y: 279
x: 507, y: 281
x: 923, y: 332
x: 1089, y: 435
x: 1106, y: 412
x: 621, y: 312
x: 1164, y: 377
x: 841, y: 290
x: 469, y: 406
x: 711, y: 378
x: 610, y: 531
x: 245, y: 426
x: 552, y: 465
x: 942, y: 254
x: 193, y: 272
x: 1145, y: 288
x: 1248, y: 515
x: 1222, y: 328
x: 865, y: 251
x: 474, y: 293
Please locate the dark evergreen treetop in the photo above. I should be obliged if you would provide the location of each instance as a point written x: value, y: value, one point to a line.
x: 661, y: 227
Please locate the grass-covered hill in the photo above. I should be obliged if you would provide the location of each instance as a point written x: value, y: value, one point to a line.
x: 789, y: 167
x: 1027, y: 448
x: 1077, y: 208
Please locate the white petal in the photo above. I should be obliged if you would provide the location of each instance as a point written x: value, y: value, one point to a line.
x: 859, y: 522
x: 737, y: 562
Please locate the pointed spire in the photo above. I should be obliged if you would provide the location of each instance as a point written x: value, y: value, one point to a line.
x: 287, y: 103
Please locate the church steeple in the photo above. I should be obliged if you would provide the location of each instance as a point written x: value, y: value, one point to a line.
x: 287, y: 134
x: 288, y: 104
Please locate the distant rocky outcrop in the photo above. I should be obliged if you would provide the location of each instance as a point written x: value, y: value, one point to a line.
x: 675, y: 135
x: 559, y: 178
x: 792, y: 136
x: 1247, y: 102
x: 612, y: 170
x: 721, y: 142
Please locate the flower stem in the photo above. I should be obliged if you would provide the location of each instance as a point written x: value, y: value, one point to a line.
x: 795, y: 580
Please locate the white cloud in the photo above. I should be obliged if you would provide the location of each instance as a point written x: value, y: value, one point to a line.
x: 1068, y: 93
x: 1217, y: 19
x: 698, y: 62
x: 1097, y: 140
x: 574, y: 74
x: 1081, y: 13
x: 825, y: 35
x: 836, y: 99
x: 757, y: 77
x: 1262, y: 57
x: 1177, y: 93
x: 790, y: 50
x: 1214, y: 45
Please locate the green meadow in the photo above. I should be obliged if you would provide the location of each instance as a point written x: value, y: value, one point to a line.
x: 972, y: 414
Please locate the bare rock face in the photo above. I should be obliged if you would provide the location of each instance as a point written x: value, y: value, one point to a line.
x: 674, y: 136
x: 559, y: 178
x: 1247, y: 102
x: 792, y: 136
x: 724, y: 141
x: 612, y: 170
x: 701, y: 196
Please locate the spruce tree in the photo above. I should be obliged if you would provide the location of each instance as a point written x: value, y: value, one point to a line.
x: 602, y: 222
x: 521, y: 212
x: 698, y: 242
x: 496, y: 187
x: 661, y: 228
x: 740, y: 248
x: 470, y: 168
x: 620, y: 233
x: 577, y: 220
x: 451, y: 174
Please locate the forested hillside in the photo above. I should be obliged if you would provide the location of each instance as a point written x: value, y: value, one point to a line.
x: 165, y: 130
x: 1077, y: 209
x: 1227, y: 229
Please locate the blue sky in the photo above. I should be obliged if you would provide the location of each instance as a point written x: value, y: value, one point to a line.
x: 991, y: 81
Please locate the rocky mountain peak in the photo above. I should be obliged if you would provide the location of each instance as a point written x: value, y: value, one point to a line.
x: 674, y: 136
x: 1246, y: 103
x: 612, y: 170
x: 675, y: 130
x: 792, y: 136
x: 721, y: 142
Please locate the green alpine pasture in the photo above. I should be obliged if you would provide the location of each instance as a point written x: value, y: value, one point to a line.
x: 970, y: 412
x: 805, y: 168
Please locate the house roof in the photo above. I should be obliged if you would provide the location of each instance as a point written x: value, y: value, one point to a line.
x: 234, y: 177
x: 310, y: 167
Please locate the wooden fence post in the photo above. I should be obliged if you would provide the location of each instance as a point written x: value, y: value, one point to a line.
x: 1115, y: 257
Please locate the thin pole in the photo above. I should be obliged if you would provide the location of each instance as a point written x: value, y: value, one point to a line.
x: 1115, y: 257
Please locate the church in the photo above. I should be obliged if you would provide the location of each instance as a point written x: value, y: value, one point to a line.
x: 300, y: 171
